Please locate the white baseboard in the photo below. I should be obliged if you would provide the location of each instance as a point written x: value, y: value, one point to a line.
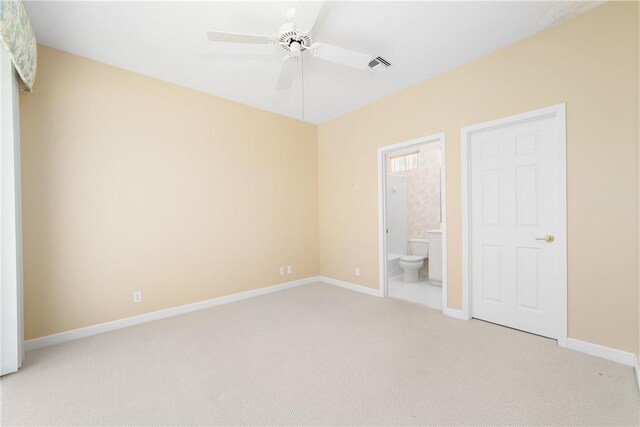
x: 608, y: 353
x: 182, y: 309
x: 458, y: 314
x: 636, y: 368
x: 351, y: 286
x: 623, y: 357
x: 160, y: 314
x: 598, y: 350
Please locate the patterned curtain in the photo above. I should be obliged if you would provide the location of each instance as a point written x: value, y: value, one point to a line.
x: 19, y: 40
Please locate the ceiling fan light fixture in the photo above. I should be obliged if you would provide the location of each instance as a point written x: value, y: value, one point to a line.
x: 295, y: 47
x: 288, y: 35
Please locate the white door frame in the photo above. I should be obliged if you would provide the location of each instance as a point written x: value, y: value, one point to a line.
x: 558, y: 112
x: 382, y: 201
x: 11, y: 326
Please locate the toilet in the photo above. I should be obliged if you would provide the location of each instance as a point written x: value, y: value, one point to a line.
x: 411, y: 264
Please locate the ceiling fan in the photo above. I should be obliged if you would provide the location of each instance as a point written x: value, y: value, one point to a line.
x: 295, y: 38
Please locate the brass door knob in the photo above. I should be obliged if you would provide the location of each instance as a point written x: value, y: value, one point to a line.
x: 548, y: 238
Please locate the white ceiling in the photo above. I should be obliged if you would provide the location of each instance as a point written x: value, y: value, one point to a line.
x: 167, y: 40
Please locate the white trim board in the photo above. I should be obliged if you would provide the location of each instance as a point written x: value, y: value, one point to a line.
x: 11, y: 292
x: 636, y: 368
x: 351, y: 286
x: 612, y: 354
x: 619, y: 356
x: 457, y: 314
x: 160, y: 314
x: 100, y: 328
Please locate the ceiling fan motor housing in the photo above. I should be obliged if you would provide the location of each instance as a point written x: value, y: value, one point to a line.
x: 290, y: 35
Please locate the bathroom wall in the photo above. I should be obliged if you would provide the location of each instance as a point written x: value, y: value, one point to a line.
x: 423, y: 192
x: 588, y: 62
x: 422, y: 207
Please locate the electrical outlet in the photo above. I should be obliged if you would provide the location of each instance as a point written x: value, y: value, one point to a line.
x: 137, y: 296
x: 357, y: 271
x: 289, y: 269
x: 281, y: 270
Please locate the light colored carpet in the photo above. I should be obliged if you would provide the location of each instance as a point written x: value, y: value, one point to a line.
x: 317, y: 355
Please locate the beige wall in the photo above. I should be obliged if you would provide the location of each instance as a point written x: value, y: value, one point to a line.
x: 130, y: 183
x: 587, y: 62
x: 637, y: 72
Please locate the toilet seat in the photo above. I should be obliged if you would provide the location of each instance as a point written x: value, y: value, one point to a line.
x: 412, y: 258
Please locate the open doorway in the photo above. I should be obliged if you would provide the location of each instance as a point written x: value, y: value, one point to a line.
x: 412, y: 221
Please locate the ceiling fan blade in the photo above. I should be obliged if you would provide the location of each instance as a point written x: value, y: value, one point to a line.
x: 341, y: 56
x: 288, y: 72
x: 214, y: 57
x: 217, y: 36
x: 306, y: 14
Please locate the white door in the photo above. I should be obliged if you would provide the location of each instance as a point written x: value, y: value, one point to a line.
x: 516, y: 202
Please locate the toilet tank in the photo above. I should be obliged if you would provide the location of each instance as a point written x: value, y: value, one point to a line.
x: 419, y: 247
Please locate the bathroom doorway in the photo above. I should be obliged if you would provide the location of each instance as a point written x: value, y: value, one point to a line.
x: 412, y: 221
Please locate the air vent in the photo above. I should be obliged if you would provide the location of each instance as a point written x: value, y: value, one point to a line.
x: 379, y: 64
